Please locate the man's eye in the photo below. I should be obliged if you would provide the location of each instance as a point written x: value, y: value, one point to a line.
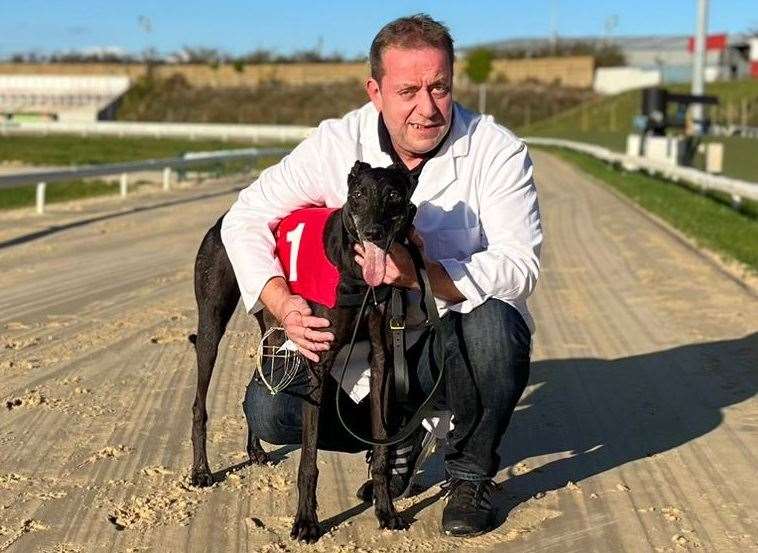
x: 441, y: 90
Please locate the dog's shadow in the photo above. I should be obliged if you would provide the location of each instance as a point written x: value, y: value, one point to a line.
x: 275, y: 457
x: 608, y: 412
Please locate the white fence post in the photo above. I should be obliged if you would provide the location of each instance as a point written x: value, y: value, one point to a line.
x: 124, y: 185
x: 167, y: 178
x: 41, y: 197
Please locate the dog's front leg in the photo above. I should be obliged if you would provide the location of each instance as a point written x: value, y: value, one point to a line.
x: 306, y: 527
x: 380, y: 417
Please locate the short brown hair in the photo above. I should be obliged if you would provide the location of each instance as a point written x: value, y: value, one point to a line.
x: 409, y: 32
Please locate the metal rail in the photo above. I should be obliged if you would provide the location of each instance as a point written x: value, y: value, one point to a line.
x: 221, y: 131
x: 736, y: 188
x: 42, y: 178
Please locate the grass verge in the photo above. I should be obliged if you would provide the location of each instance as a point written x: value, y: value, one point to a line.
x: 708, y: 219
x: 15, y: 198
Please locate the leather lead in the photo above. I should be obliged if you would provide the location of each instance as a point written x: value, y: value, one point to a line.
x: 437, y: 354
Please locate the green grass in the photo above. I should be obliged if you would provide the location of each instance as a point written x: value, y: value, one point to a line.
x: 78, y: 150
x: 614, y: 114
x: 606, y: 121
x: 60, y: 192
x: 708, y: 219
x: 74, y: 150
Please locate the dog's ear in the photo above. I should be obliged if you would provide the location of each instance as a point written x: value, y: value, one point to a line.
x: 411, y: 213
x: 358, y: 168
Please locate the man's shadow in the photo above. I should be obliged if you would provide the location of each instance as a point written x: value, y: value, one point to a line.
x: 609, y: 412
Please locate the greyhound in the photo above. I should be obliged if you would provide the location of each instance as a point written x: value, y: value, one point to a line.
x: 378, y: 211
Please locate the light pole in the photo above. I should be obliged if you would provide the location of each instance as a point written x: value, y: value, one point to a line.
x: 698, y: 66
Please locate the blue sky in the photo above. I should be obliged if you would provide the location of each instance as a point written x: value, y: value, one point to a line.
x: 238, y: 26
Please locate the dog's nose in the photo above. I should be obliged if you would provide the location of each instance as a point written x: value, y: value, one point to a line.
x: 373, y: 231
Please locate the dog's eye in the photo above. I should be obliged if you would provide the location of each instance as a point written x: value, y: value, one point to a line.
x: 357, y: 194
x: 395, y: 197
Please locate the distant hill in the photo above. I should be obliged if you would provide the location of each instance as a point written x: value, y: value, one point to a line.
x: 174, y: 99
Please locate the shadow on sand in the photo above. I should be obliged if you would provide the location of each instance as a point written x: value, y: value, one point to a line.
x: 606, y: 413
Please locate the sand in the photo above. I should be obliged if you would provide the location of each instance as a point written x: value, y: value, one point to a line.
x: 637, y: 431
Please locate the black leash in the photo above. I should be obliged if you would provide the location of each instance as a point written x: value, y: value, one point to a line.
x: 436, y: 353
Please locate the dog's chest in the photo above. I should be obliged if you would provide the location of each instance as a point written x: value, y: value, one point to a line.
x: 300, y: 249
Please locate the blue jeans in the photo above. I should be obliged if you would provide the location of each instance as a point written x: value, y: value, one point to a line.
x: 486, y: 371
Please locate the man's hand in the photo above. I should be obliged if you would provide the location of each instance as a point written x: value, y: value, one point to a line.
x: 299, y: 324
x: 296, y: 317
x: 399, y: 268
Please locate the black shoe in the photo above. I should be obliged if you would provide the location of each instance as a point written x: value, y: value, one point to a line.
x: 404, y: 458
x: 469, y: 510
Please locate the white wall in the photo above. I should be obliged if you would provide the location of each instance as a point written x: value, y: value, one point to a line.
x: 612, y: 80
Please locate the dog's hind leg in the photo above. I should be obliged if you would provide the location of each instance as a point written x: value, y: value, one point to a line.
x: 380, y: 390
x: 217, y: 294
x: 255, y: 451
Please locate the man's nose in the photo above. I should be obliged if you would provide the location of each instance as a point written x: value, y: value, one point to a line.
x: 426, y: 105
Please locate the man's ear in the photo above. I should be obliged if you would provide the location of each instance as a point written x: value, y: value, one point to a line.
x: 358, y: 168
x: 374, y: 93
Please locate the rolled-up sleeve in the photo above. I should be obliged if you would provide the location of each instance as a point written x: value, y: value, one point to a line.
x: 508, y: 267
x: 247, y: 229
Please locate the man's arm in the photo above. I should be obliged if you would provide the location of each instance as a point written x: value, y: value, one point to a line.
x: 247, y: 233
x: 509, y: 266
x: 247, y: 229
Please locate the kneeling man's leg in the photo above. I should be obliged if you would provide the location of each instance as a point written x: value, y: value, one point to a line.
x: 487, y: 371
x: 277, y: 419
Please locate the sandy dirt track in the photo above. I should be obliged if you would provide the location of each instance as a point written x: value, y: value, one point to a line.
x: 637, y: 432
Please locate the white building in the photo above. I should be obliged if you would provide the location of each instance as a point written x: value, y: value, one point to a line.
x: 60, y: 97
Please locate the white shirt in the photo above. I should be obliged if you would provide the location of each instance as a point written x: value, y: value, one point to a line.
x: 477, y: 209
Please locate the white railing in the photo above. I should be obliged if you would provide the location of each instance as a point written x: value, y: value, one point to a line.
x: 737, y: 188
x: 42, y: 178
x: 220, y: 131
x: 734, y: 130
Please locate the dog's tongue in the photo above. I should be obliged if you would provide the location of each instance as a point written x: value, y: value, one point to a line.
x: 373, y: 264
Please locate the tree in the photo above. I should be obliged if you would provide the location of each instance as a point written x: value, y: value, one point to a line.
x: 478, y: 69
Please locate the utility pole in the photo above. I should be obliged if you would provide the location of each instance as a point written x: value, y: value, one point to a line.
x: 553, y: 27
x: 698, y: 65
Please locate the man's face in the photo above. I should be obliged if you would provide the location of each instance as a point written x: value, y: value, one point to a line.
x: 415, y: 97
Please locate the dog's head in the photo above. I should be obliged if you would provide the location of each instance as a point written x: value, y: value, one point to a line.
x: 378, y: 212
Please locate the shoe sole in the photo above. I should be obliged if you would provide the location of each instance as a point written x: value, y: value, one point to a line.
x: 470, y: 535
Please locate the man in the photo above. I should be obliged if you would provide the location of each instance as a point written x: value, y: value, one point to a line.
x: 478, y: 220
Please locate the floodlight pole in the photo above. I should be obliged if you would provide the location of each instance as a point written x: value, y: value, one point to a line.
x: 698, y: 65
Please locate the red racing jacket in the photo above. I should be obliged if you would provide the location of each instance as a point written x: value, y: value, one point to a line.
x: 300, y: 249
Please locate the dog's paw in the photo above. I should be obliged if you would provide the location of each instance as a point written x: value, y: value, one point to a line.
x: 201, y: 478
x: 259, y: 457
x: 306, y: 529
x: 391, y: 520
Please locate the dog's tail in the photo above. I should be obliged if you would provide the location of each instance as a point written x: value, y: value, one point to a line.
x: 192, y: 338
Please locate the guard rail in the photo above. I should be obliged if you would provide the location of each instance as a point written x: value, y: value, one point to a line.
x: 42, y: 178
x: 220, y: 131
x: 736, y: 188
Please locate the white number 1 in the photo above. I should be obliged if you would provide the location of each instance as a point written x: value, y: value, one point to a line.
x: 293, y: 237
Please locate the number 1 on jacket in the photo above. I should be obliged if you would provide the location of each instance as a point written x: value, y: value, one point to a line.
x: 293, y: 237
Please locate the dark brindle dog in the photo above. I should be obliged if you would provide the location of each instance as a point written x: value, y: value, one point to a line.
x: 378, y: 211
